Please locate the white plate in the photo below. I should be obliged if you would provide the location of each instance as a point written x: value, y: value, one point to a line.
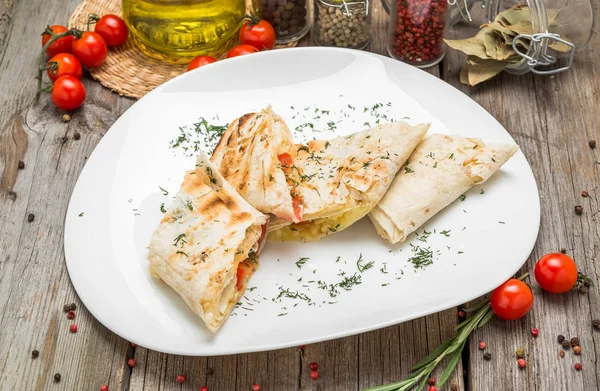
x: 119, y: 196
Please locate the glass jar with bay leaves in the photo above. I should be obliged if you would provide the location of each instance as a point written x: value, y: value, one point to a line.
x: 539, y: 36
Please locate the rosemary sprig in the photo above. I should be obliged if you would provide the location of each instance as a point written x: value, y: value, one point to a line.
x: 452, y: 348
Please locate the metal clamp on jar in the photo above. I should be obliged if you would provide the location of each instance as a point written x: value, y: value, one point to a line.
x: 342, y: 23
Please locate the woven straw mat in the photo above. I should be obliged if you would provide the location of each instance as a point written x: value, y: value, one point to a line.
x: 127, y: 70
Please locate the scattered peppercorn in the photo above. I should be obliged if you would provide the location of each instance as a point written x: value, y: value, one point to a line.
x: 64, y: 139
x: 432, y: 388
x: 520, y: 353
x: 73, y: 328
x: 578, y: 209
x: 432, y: 381
x: 561, y: 353
x: 535, y: 332
x: 313, y: 366
x: 210, y: 371
x: 461, y: 314
x: 35, y: 353
x: 578, y: 366
x: 565, y: 344
x: 592, y: 144
x: 561, y: 338
x: 30, y: 217
x: 585, y: 193
x: 57, y: 377
x: 76, y: 136
x: 66, y: 118
x: 12, y: 195
x: 482, y: 345
x: 454, y: 387
x: 21, y: 164
x: 596, y: 323
x: 104, y: 387
x: 563, y: 250
x: 71, y: 314
x: 574, y: 341
x: 521, y: 363
x: 577, y: 349
x: 180, y: 378
x: 133, y: 345
x: 131, y: 362
x: 73, y: 307
x: 204, y: 388
x: 67, y: 307
x: 314, y: 375
x: 487, y: 356
x: 256, y: 387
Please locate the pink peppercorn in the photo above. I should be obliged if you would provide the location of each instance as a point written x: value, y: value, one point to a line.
x: 71, y: 315
x: 203, y: 388
x: 521, y: 363
x: 180, y: 378
x: 104, y: 387
x: 482, y: 345
x: 256, y: 387
x: 73, y: 328
x: 578, y: 366
x: 314, y: 375
x: 535, y: 332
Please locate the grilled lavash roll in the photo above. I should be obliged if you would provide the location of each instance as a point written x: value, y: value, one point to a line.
x: 339, y: 181
x: 439, y: 171
x: 247, y: 157
x: 206, y: 245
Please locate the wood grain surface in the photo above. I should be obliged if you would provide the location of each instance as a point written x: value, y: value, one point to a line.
x: 552, y: 119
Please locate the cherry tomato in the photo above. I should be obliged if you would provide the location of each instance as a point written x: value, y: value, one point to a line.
x: 240, y: 276
x: 64, y: 64
x: 258, y: 33
x: 68, y: 93
x: 285, y: 159
x: 62, y: 45
x: 511, y: 300
x: 200, y: 61
x: 241, y: 50
x: 556, y: 273
x: 113, y: 29
x: 90, y: 49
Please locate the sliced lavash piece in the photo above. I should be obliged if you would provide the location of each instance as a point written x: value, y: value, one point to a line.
x: 339, y: 181
x: 206, y: 245
x: 439, y: 171
x: 246, y: 156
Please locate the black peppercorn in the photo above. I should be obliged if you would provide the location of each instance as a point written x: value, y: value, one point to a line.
x: 67, y: 307
x: 21, y: 164
x: 487, y: 356
x: 72, y: 307
x: 566, y: 344
x: 563, y: 250
x: 35, y: 353
x: 77, y: 136
x: 578, y: 209
x: 592, y: 144
x: 596, y: 323
x: 57, y: 377
x: 12, y: 195
x: 64, y: 139
x: 30, y: 217
x: 574, y: 341
x: 560, y: 338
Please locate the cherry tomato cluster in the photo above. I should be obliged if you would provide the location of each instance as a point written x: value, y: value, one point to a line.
x: 255, y: 35
x: 555, y: 273
x: 70, y: 50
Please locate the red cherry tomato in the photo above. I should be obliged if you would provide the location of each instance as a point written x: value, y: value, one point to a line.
x: 241, y: 50
x: 64, y: 64
x: 68, y: 93
x: 200, y: 61
x: 258, y: 33
x: 62, y: 45
x: 90, y: 49
x: 240, y: 276
x: 511, y: 300
x: 556, y: 273
x: 113, y: 29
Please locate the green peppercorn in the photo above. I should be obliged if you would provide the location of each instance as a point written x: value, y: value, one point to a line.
x: 520, y: 352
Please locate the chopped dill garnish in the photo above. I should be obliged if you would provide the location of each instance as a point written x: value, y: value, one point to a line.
x: 445, y: 232
x: 301, y: 262
x: 162, y: 208
x: 363, y: 266
x: 462, y: 197
x: 408, y: 170
x: 421, y: 258
x: 165, y: 193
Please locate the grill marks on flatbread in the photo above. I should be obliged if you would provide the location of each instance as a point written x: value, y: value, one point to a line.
x: 439, y: 171
x: 247, y: 157
x: 339, y: 181
x: 208, y: 232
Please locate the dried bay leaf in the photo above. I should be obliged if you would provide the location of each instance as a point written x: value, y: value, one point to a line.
x: 560, y: 47
x: 522, y: 27
x: 464, y: 73
x: 515, y: 15
x: 480, y: 70
x: 471, y: 46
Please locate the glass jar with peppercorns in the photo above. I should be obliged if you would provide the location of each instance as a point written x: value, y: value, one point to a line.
x: 342, y: 23
x: 417, y: 31
x: 290, y: 18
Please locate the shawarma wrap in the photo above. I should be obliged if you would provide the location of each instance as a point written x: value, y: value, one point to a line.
x: 246, y: 156
x: 339, y: 181
x: 439, y: 171
x: 206, y: 245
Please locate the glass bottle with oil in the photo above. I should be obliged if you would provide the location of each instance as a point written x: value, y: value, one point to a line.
x: 179, y: 30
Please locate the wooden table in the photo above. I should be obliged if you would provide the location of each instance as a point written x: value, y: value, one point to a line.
x: 552, y: 119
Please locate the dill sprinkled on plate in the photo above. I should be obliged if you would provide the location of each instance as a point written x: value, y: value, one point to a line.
x: 165, y: 193
x: 363, y: 266
x: 423, y: 237
x: 303, y: 148
x: 384, y: 269
x: 408, y: 170
x: 451, y: 156
x: 179, y: 239
x: 81, y: 214
x: 445, y: 232
x: 287, y: 293
x: 301, y: 262
x: 252, y: 288
x: 337, y: 260
x: 482, y: 191
x: 462, y: 197
x: 421, y: 258
x: 189, y: 205
x: 283, y: 314
x: 501, y: 222
x: 182, y: 253
x: 162, y: 208
x: 386, y: 284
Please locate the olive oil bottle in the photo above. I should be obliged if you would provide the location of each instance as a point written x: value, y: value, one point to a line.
x: 178, y: 30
